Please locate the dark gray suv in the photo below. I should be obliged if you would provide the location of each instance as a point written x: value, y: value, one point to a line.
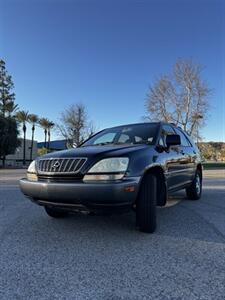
x: 126, y: 167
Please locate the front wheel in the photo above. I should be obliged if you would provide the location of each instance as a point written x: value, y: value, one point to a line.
x: 194, y: 191
x: 55, y: 212
x: 146, y: 204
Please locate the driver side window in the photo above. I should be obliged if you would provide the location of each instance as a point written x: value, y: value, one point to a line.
x: 166, y: 130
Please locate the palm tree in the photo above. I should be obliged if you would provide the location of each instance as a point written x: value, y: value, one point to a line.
x: 50, y: 126
x: 11, y: 108
x: 33, y: 119
x: 44, y: 123
x: 23, y: 117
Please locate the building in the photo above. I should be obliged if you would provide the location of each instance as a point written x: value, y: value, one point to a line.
x: 16, y: 159
x: 54, y: 145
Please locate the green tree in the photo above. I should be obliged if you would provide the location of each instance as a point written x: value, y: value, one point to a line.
x: 33, y: 119
x: 42, y: 151
x: 7, y: 96
x: 11, y: 109
x: 7, y: 111
x: 23, y: 117
x: 9, y: 137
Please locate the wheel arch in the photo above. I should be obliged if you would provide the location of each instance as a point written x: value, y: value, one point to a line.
x: 158, y: 171
x: 200, y: 169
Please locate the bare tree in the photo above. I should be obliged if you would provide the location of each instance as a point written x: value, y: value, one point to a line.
x: 74, y: 125
x: 181, y: 98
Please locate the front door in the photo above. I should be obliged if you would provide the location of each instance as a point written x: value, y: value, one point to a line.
x: 175, y: 160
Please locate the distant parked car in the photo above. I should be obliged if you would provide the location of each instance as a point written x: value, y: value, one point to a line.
x: 120, y: 168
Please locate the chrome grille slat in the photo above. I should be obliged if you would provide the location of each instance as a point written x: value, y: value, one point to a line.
x: 71, y: 165
x: 75, y: 164
x: 51, y: 164
x: 66, y: 164
x: 44, y: 165
x: 60, y: 165
x: 48, y: 164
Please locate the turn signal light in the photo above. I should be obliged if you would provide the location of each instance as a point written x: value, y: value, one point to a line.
x: 129, y: 189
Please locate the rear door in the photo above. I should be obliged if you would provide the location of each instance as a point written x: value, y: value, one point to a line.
x: 186, y: 159
x: 190, y: 155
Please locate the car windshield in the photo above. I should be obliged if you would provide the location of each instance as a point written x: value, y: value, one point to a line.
x: 130, y: 134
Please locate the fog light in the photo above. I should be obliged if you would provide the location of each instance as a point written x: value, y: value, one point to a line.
x: 32, y: 177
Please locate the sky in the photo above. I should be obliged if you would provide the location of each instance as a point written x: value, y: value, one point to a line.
x: 105, y: 54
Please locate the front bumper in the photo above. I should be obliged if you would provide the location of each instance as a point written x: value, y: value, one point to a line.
x: 82, y: 194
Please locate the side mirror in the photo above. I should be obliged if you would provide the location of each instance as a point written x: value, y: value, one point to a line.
x: 173, y: 140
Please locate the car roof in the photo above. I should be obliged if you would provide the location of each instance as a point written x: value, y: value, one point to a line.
x: 144, y: 123
x: 133, y: 124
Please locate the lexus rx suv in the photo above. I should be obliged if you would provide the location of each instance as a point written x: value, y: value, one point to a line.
x: 121, y: 168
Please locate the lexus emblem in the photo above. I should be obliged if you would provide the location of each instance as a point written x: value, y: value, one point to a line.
x: 56, y: 165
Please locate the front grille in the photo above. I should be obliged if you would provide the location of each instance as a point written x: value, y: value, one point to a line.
x: 60, y: 165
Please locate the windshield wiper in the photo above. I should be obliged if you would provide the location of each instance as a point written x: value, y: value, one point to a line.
x: 99, y: 144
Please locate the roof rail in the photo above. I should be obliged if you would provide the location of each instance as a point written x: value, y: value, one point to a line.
x: 176, y: 125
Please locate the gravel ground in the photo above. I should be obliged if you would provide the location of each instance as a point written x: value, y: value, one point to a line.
x: 100, y: 257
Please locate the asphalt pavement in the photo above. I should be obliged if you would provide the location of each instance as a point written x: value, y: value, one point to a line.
x: 104, y: 257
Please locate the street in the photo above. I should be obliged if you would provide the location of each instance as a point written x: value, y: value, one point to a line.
x: 104, y: 257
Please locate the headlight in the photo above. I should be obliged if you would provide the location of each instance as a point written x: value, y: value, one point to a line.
x: 32, y: 172
x: 32, y: 167
x: 110, y: 165
x: 116, y: 166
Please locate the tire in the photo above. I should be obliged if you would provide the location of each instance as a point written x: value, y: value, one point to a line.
x: 146, y: 204
x: 55, y: 213
x: 194, y: 192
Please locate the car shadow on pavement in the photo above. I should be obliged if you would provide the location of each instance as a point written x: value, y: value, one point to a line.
x: 201, y: 219
x: 181, y: 219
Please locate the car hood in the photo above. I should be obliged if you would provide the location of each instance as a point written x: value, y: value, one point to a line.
x: 94, y: 151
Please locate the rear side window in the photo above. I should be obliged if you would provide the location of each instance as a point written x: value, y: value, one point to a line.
x: 183, y: 139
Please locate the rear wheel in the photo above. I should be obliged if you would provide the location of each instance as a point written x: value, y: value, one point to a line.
x: 194, y: 192
x: 55, y: 212
x: 146, y: 204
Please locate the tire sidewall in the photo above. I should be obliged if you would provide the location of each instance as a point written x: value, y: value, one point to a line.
x: 198, y: 181
x: 146, y: 204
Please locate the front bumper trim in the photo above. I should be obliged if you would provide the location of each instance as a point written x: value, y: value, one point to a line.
x: 97, y: 194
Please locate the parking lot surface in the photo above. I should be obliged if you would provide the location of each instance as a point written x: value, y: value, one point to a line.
x: 102, y: 257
